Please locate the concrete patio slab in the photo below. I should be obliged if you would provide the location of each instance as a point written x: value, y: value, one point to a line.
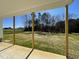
x: 20, y: 52
x: 14, y: 52
x: 37, y: 54
x: 4, y: 45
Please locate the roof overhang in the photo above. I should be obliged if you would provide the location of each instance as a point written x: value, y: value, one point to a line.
x: 10, y: 8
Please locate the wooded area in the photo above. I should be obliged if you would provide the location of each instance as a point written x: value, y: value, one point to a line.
x: 48, y: 23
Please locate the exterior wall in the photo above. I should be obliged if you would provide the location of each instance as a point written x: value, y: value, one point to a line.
x: 1, y: 30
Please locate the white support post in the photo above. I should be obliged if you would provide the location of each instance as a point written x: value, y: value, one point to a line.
x: 1, y: 29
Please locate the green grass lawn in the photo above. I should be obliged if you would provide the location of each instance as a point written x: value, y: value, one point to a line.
x: 50, y: 42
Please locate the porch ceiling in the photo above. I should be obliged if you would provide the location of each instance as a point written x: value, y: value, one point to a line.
x: 18, y: 7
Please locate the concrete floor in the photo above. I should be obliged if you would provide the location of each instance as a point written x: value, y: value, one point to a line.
x: 19, y: 52
x: 4, y: 45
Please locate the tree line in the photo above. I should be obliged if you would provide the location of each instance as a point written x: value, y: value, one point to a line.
x: 47, y: 23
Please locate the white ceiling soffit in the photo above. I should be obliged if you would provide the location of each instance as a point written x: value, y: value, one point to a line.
x: 10, y: 8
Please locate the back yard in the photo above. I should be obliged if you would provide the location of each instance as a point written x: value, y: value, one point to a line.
x: 50, y: 42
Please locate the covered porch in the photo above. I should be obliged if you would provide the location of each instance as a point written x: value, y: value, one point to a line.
x: 12, y: 9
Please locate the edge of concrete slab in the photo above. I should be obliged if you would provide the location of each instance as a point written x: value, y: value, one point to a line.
x: 20, y: 52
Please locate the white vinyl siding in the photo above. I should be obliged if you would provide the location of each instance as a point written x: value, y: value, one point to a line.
x: 1, y: 29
